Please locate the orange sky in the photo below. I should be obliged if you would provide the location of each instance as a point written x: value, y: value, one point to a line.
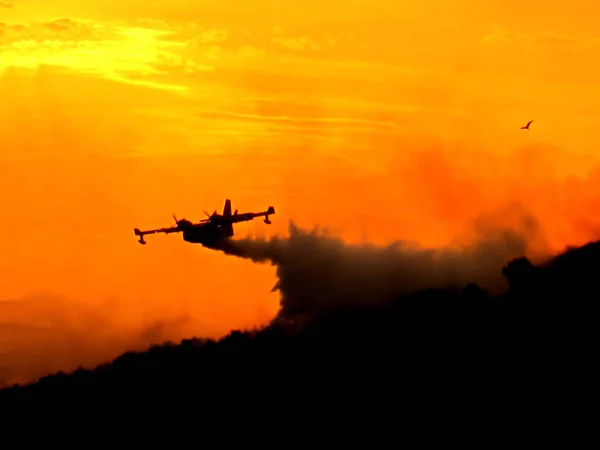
x: 378, y: 119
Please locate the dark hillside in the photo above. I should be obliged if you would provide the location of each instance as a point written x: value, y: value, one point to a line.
x: 433, y: 357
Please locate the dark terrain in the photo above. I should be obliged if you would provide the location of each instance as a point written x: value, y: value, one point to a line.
x: 436, y: 357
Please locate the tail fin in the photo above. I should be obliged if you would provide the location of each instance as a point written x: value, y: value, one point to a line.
x: 228, y: 227
x: 227, y: 208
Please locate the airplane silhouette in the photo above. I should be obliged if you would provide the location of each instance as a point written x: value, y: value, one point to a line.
x: 208, y: 231
x: 526, y: 127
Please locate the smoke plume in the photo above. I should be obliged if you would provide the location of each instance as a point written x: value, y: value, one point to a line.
x: 318, y: 272
x: 44, y: 333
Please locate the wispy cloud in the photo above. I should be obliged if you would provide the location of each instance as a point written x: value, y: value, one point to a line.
x: 302, y: 120
x: 545, y: 56
x: 501, y: 34
x: 138, y: 55
x: 300, y: 43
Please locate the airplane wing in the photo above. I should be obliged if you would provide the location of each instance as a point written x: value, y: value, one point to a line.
x: 168, y: 230
x: 141, y: 234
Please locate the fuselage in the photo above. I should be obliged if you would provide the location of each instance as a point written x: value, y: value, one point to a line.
x: 206, y: 234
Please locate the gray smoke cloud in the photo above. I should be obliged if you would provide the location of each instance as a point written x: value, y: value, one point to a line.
x: 318, y: 272
x: 44, y: 333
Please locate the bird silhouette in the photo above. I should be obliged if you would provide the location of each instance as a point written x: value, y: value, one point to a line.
x: 526, y: 127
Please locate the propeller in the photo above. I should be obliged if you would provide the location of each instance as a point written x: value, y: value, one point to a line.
x: 210, y: 217
x: 177, y: 221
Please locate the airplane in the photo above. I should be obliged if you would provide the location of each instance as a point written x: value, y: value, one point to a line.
x: 208, y: 231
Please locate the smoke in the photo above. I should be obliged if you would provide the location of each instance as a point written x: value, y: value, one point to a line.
x: 318, y: 272
x: 44, y: 333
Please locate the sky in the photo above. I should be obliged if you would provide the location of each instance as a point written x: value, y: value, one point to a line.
x: 379, y: 120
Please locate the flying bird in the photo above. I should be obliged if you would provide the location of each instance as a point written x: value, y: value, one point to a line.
x: 526, y: 127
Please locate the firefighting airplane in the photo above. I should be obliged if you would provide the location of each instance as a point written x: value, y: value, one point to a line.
x: 208, y: 231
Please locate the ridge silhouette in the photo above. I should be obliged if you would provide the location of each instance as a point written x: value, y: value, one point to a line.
x: 434, y: 356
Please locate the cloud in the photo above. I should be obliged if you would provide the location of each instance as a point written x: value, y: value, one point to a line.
x: 501, y: 34
x: 64, y: 28
x: 209, y: 37
x: 185, y: 56
x: 294, y: 43
x: 372, y: 124
x: 301, y: 43
x: 133, y: 55
x: 543, y: 56
x: 172, y: 63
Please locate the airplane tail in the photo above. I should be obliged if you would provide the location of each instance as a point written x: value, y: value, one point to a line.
x: 227, y: 213
x: 227, y: 208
